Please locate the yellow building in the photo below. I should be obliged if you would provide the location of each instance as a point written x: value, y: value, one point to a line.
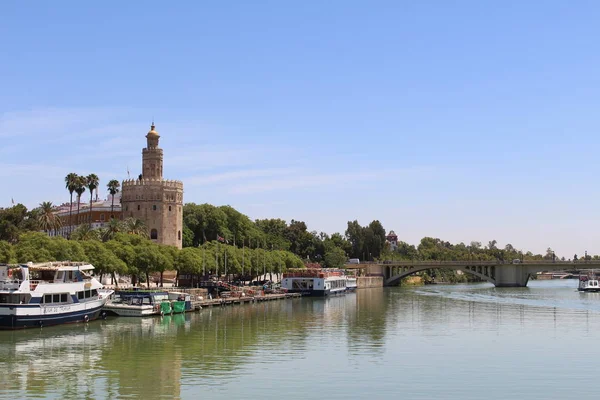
x: 154, y: 200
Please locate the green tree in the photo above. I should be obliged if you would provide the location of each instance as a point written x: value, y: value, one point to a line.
x: 148, y: 259
x: 71, y: 184
x: 79, y: 189
x: 113, y: 188
x: 6, y: 252
x: 92, y: 182
x: 135, y: 226
x: 113, y: 227
x: 85, y: 232
x: 335, y: 257
x: 33, y: 247
x: 47, y: 219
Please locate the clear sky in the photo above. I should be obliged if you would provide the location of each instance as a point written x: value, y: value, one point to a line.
x: 463, y: 120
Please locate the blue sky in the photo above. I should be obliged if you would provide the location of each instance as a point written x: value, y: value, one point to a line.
x: 464, y: 120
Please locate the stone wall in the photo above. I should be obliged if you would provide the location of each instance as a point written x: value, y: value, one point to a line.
x: 364, y: 282
x: 159, y: 203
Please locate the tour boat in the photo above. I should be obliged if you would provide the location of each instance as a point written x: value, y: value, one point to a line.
x: 588, y: 283
x: 49, y: 294
x: 314, y: 281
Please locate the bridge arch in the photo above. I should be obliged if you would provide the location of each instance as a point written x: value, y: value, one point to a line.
x: 394, y: 275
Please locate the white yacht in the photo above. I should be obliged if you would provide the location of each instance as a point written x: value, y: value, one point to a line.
x: 49, y: 294
x: 588, y: 283
x: 314, y: 281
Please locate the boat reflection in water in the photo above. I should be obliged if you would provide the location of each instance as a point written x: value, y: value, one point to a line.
x: 86, y: 360
x: 182, y: 355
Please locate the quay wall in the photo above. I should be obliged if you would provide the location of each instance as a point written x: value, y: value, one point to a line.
x: 364, y: 282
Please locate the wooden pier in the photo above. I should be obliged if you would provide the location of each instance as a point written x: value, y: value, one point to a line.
x: 231, y: 300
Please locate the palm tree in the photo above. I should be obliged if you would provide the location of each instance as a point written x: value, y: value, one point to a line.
x: 79, y: 189
x: 113, y: 188
x: 92, y: 182
x: 85, y: 232
x: 47, y: 219
x: 71, y: 185
x: 135, y: 226
x: 113, y: 227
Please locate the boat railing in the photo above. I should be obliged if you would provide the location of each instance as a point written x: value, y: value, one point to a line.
x: 10, y: 284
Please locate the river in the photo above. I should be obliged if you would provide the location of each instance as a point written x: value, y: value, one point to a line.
x: 469, y: 341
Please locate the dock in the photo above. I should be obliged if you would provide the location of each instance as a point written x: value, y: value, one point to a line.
x: 231, y: 300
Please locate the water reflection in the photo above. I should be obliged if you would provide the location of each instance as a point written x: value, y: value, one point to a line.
x: 339, y: 346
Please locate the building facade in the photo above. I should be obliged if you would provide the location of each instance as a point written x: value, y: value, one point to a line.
x: 102, y: 212
x: 154, y: 200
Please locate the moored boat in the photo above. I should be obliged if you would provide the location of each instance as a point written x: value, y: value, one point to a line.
x: 351, y: 283
x: 36, y: 295
x: 314, y: 281
x: 138, y: 303
x: 588, y: 283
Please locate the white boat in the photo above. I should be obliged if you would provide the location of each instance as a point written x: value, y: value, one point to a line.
x: 314, y: 281
x: 588, y: 283
x: 137, y: 303
x: 49, y: 294
x: 351, y: 283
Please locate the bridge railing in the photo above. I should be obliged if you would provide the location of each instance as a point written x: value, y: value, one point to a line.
x: 474, y: 263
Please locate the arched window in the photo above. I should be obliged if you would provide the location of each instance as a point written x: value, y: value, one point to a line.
x: 153, y: 234
x: 169, y: 208
x: 179, y: 235
x: 154, y: 207
x: 138, y: 207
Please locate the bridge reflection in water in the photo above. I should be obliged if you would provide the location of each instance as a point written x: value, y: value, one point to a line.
x: 501, y: 274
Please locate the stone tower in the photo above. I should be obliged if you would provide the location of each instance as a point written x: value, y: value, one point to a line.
x: 157, y: 202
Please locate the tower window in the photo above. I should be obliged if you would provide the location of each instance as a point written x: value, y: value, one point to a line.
x: 179, y: 235
x: 169, y: 208
x: 138, y: 207
x: 154, y: 207
x: 153, y: 234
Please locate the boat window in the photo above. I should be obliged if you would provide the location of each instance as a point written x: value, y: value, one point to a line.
x: 47, y: 298
x: 88, y: 294
x: 63, y: 298
x: 56, y: 298
x: 94, y: 292
x: 80, y: 295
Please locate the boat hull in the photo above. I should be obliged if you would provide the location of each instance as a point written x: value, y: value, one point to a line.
x: 131, y: 311
x: 16, y: 320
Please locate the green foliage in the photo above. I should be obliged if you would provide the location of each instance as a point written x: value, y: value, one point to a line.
x: 335, y: 258
x: 6, y: 252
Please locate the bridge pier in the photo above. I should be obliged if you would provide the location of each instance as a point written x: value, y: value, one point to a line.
x: 512, y: 275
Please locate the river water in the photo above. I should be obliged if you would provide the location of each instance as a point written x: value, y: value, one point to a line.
x: 431, y: 342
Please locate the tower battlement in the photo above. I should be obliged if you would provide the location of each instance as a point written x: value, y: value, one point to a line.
x: 152, y: 182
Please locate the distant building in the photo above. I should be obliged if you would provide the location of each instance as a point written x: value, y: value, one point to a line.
x: 101, y: 214
x: 157, y: 202
x: 392, y: 239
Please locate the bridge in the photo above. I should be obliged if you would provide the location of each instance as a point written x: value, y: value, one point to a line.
x: 501, y: 274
